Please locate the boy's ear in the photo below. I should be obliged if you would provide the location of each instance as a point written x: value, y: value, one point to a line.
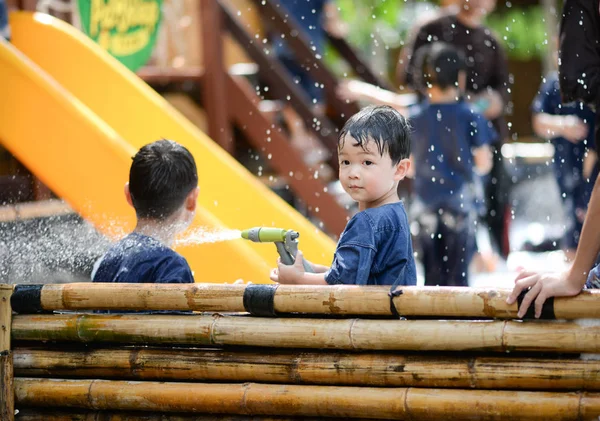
x: 402, y: 169
x: 128, y: 195
x: 192, y: 199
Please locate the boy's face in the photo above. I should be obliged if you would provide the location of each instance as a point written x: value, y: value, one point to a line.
x: 367, y: 176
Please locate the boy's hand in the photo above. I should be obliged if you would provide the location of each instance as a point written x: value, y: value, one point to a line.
x: 574, y: 129
x: 541, y: 287
x: 288, y: 274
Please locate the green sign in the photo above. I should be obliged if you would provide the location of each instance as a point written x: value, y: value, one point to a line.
x: 127, y: 29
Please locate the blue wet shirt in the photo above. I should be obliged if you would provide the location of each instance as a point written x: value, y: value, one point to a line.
x: 375, y: 249
x: 141, y: 259
x: 443, y: 137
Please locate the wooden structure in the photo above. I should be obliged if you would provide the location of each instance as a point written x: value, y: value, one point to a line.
x: 316, y: 360
x: 219, y: 23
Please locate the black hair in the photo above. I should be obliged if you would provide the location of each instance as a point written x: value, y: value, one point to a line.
x: 383, y: 125
x: 441, y: 64
x: 162, y: 174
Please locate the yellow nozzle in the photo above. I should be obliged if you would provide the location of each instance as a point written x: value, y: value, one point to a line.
x: 264, y: 234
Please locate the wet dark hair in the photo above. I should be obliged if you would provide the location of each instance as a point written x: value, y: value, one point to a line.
x: 383, y: 125
x: 441, y: 64
x: 162, y: 174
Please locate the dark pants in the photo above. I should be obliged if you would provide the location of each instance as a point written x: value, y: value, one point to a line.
x: 447, y: 243
x: 497, y: 193
x: 300, y: 77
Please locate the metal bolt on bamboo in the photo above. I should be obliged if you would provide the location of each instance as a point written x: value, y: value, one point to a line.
x: 325, y: 368
x: 338, y: 300
x: 342, y: 334
x: 320, y: 401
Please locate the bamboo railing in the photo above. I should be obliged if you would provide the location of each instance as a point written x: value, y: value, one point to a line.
x: 336, y: 353
x: 442, y: 302
x: 322, y: 368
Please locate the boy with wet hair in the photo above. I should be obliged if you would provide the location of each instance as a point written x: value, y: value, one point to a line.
x: 375, y: 247
x: 163, y: 190
x: 450, y: 143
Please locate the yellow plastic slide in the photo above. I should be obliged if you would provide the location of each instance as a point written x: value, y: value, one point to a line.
x: 75, y: 116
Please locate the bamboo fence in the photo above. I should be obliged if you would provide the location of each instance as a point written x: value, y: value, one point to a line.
x: 342, y: 334
x: 320, y: 401
x: 453, y: 359
x: 320, y: 368
x: 341, y: 300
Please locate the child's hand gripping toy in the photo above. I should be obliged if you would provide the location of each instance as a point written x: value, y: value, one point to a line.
x: 286, y: 242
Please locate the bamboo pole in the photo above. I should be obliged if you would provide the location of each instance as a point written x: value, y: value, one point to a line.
x: 7, y: 401
x: 323, y: 368
x: 64, y: 415
x: 342, y: 334
x: 339, y: 300
x: 320, y: 401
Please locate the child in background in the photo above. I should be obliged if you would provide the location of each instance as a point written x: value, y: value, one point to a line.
x: 450, y: 141
x: 4, y: 28
x: 163, y: 190
x: 571, y: 130
x: 375, y: 247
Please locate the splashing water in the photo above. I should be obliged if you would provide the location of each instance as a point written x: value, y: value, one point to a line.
x: 204, y: 235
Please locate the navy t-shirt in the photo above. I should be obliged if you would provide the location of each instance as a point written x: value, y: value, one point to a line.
x: 548, y: 101
x: 141, y: 259
x: 375, y: 249
x: 309, y: 15
x: 442, y: 139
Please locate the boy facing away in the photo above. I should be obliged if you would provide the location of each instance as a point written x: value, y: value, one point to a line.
x: 450, y: 141
x: 163, y: 190
x: 375, y: 247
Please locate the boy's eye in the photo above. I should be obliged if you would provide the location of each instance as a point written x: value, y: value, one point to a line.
x: 367, y: 163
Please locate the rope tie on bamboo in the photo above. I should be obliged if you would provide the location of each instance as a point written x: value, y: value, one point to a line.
x: 547, y: 308
x: 27, y: 299
x: 259, y: 300
x: 392, y: 295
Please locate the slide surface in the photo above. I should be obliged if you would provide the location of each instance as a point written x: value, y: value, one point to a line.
x: 75, y: 116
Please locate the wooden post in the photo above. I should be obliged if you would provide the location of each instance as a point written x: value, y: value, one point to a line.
x: 7, y: 397
x: 214, y: 91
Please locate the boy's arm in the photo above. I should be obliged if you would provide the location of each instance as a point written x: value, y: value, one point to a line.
x: 549, y: 126
x: 354, y: 90
x: 333, y: 23
x: 482, y: 158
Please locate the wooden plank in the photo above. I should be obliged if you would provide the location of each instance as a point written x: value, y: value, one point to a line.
x: 285, y: 159
x: 275, y: 13
x: 214, y: 88
x: 7, y: 403
x: 358, y: 64
x: 284, y: 88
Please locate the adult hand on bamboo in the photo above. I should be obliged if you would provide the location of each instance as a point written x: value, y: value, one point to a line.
x: 288, y: 274
x: 541, y: 287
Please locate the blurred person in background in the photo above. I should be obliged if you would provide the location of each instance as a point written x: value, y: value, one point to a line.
x: 487, y: 89
x: 4, y: 28
x: 579, y: 79
x: 570, y: 127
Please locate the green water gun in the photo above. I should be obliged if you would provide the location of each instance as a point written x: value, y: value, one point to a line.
x: 286, y: 242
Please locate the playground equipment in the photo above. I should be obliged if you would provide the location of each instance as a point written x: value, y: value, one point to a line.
x: 92, y: 114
